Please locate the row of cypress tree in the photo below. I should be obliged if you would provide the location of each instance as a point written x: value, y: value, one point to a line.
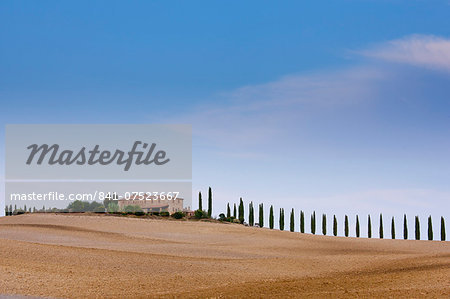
x: 335, y: 223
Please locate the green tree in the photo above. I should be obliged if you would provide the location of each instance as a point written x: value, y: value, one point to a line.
x: 357, y: 227
x: 200, y: 201
x: 25, y: 208
x: 392, y: 228
x: 302, y: 222
x: 430, y: 229
x: 417, y: 227
x: 210, y: 199
x: 369, y: 227
x: 346, y: 230
x: 405, y: 227
x: 271, y: 217
x: 313, y: 223
x: 132, y: 209
x: 442, y: 229
x: 381, y: 226
x: 251, y: 216
x: 228, y: 210
x: 324, y: 224
x: 292, y: 224
x: 234, y: 211
x: 113, y: 207
x: 335, y: 224
x: 34, y: 209
x: 281, y: 219
x: 241, y: 211
x: 261, y: 215
x: 6, y: 211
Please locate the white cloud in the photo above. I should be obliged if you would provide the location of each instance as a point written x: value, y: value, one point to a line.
x: 419, y: 50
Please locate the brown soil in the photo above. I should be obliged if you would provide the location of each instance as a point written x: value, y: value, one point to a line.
x: 77, y: 256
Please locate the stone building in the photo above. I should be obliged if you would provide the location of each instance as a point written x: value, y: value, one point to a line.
x: 152, y: 204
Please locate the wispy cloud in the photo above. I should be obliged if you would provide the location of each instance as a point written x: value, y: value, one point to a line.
x: 419, y: 50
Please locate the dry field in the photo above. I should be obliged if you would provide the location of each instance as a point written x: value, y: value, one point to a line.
x: 76, y: 256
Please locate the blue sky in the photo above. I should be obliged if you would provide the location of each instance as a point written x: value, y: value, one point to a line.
x: 337, y: 106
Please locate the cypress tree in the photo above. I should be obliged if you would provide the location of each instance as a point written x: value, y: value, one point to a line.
x: 29, y: 210
x: 313, y: 223
x: 25, y: 208
x: 271, y: 217
x: 392, y: 228
x: 228, y: 210
x: 209, y: 202
x: 261, y: 215
x: 335, y: 228
x: 324, y: 224
x: 417, y: 228
x: 405, y: 228
x: 442, y: 229
x: 6, y: 210
x: 241, y: 211
x: 251, y: 219
x: 281, y: 219
x: 430, y: 229
x: 15, y: 208
x: 302, y: 222
x: 292, y: 224
x: 200, y: 202
x: 369, y: 227
x: 346, y: 226
x: 234, y: 211
x: 357, y: 226
x: 381, y: 226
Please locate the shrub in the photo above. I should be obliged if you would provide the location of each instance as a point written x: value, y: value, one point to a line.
x: 99, y: 209
x: 178, y: 215
x: 222, y: 217
x: 155, y: 213
x: 132, y: 209
x: 200, y: 214
x: 139, y: 213
x: 164, y: 214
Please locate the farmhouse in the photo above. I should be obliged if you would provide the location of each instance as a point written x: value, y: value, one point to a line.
x: 149, y: 203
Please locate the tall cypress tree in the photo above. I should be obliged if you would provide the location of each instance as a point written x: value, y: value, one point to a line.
x: 200, y: 202
x: 430, y: 229
x: 302, y: 222
x: 228, y: 210
x: 234, y: 211
x: 251, y: 219
x: 357, y: 226
x: 442, y: 229
x: 313, y: 223
x: 281, y: 219
x: 369, y: 227
x: 346, y: 226
x: 335, y: 228
x: 261, y: 215
x: 324, y: 224
x: 392, y: 228
x: 209, y: 202
x: 381, y: 226
x: 417, y: 228
x: 241, y: 211
x: 6, y: 211
x: 405, y: 228
x: 292, y: 224
x: 271, y: 217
